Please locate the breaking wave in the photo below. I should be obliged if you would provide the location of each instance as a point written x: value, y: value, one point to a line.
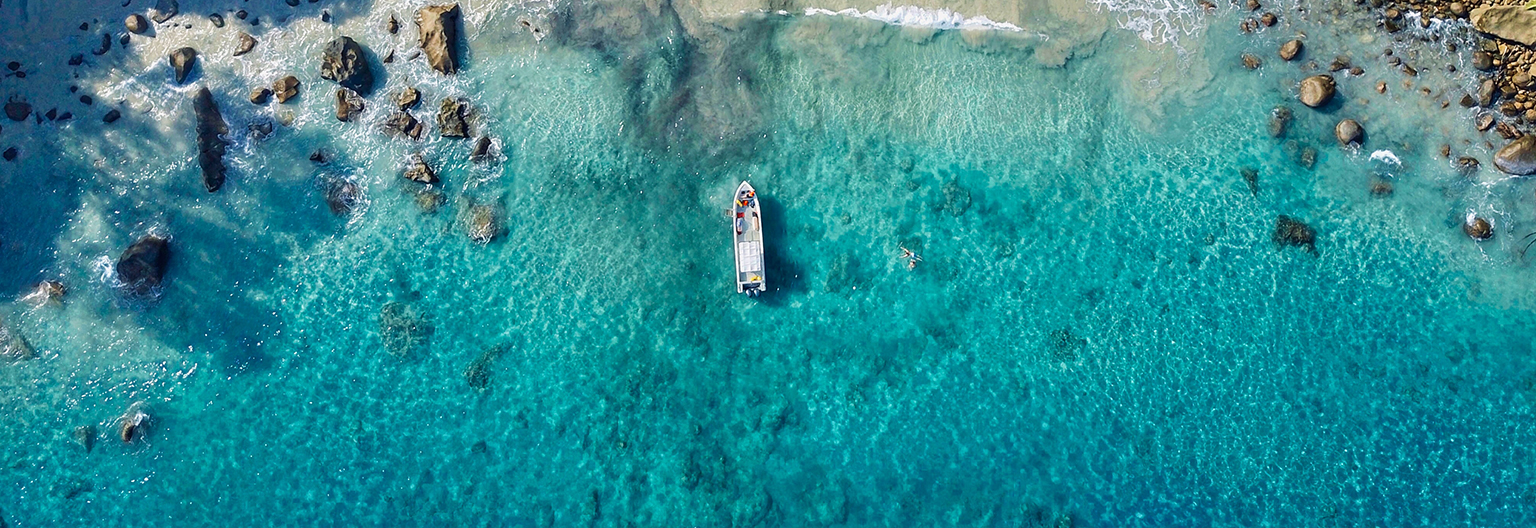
x: 917, y: 16
x: 1156, y: 21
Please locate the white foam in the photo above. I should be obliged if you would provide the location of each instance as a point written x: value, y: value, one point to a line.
x: 920, y: 17
x: 1156, y: 21
x: 1386, y: 156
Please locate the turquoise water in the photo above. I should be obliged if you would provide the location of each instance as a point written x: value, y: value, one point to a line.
x: 1101, y: 333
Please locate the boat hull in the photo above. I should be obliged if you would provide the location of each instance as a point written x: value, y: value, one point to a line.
x: 747, y: 237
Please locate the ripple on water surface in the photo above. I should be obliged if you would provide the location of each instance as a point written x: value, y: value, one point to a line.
x: 1102, y: 326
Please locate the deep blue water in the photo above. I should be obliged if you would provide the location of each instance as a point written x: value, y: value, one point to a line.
x: 1102, y: 332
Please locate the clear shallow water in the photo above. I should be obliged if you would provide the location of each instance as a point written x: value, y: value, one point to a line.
x: 1101, y: 328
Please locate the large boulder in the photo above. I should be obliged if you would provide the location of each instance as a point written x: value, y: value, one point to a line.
x: 1348, y: 132
x: 348, y: 104
x: 450, y: 119
x: 210, y: 143
x: 181, y: 62
x: 247, y: 43
x: 285, y: 88
x: 401, y: 124
x: 1477, y: 227
x: 343, y: 61
x: 418, y: 171
x: 438, y: 27
x: 1511, y: 22
x: 1290, y: 49
x: 136, y: 24
x: 482, y: 151
x: 142, y: 266
x: 1317, y: 90
x: 407, y: 98
x: 1518, y: 157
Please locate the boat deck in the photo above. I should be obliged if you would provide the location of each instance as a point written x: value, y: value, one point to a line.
x: 748, y: 230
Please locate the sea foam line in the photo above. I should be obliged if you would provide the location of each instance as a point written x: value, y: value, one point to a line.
x: 917, y: 16
x: 1156, y: 21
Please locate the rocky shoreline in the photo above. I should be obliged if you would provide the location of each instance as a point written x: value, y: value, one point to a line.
x: 1503, y: 58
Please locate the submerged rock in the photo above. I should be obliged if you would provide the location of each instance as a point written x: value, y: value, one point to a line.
x: 1348, y: 132
x: 402, y: 124
x: 438, y: 29
x: 420, y: 172
x: 286, y: 88
x: 1317, y: 90
x: 1307, y: 158
x: 247, y: 43
x: 957, y: 199
x: 142, y: 266
x: 216, y: 19
x: 14, y: 347
x: 450, y: 119
x: 478, y: 373
x: 1477, y: 227
x: 1251, y: 177
x: 112, y: 116
x: 1251, y: 61
x: 1381, y: 188
x: 481, y: 221
x: 85, y: 435
x: 403, y: 330
x: 1518, y: 157
x: 1292, y: 232
x: 210, y: 142
x: 342, y: 195
x: 348, y: 104
x: 136, y: 24
x: 343, y: 61
x: 1512, y: 22
x: 260, y: 130
x: 429, y: 199
x: 164, y: 10
x: 104, y: 46
x: 1279, y: 120
x: 17, y: 110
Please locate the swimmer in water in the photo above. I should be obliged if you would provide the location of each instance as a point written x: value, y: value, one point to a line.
x: 912, y: 258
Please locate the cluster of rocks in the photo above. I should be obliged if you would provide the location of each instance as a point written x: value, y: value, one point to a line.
x: 133, y: 425
x: 1506, y: 94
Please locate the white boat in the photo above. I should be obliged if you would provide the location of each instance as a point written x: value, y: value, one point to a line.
x: 747, y: 229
